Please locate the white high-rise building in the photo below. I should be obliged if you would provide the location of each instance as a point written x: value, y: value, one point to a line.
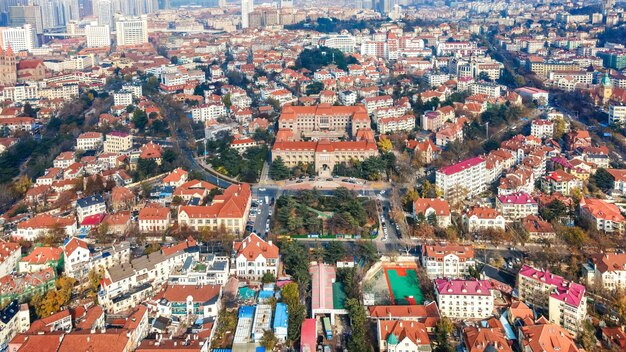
x: 247, y: 6
x: 132, y: 31
x: 103, y: 10
x: 18, y: 38
x: 98, y: 35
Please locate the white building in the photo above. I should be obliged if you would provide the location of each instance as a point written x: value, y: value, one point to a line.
x: 131, y: 31
x: 18, y: 38
x: 564, y: 301
x: 79, y: 260
x: 516, y: 206
x: 89, y: 141
x: 207, y: 112
x: 189, y: 301
x: 15, y: 320
x: 91, y: 205
x: 607, y: 270
x: 617, y: 114
x: 98, y: 35
x: 122, y: 98
x: 464, y: 179
x: 447, y: 260
x: 254, y: 257
x: 464, y: 299
x: 10, y: 254
x: 344, y: 42
x: 542, y: 128
x: 490, y: 89
x: 118, y: 142
x: 481, y: 219
x: 247, y: 6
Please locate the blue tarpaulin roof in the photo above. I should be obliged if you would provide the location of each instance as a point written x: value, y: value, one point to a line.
x: 508, y: 330
x: 280, y: 317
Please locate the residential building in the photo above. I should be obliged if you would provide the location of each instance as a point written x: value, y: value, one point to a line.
x: 562, y: 300
x: 483, y: 339
x: 208, y: 112
x: 402, y: 336
x: 433, y: 210
x: 605, y: 216
x: 606, y: 270
x: 228, y: 211
x: 10, y: 254
x: 176, y: 178
x: 447, y: 260
x: 123, y: 98
x: 126, y: 284
x: 40, y: 259
x: 464, y: 179
x: 395, y: 124
x: 189, y: 301
x: 23, y: 287
x: 480, y: 219
x: 542, y: 128
x: 464, y: 299
x: 91, y: 205
x: 89, y: 141
x: 254, y: 257
x: 154, y: 219
x: 561, y: 182
x: 537, y: 228
x: 41, y: 224
x: 545, y: 336
x: 210, y: 270
x: 118, y: 142
x: 77, y: 255
x: 14, y: 319
x: 516, y: 206
x: 617, y: 114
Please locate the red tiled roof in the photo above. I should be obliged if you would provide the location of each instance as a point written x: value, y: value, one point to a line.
x: 42, y: 255
x: 253, y: 246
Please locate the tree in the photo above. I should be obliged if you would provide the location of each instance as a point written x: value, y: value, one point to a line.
x: 268, y: 278
x: 269, y: 340
x: 226, y: 100
x: 278, y: 169
x: 484, y: 76
x: 587, y: 336
x: 604, y: 180
x: 52, y: 301
x: 314, y: 88
x: 385, y: 145
x: 333, y: 252
x: 140, y: 119
x: 442, y: 334
x: 358, y: 322
x: 297, y: 311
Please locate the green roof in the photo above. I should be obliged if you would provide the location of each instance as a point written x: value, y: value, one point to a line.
x: 606, y: 81
x: 339, y: 296
x: 392, y: 339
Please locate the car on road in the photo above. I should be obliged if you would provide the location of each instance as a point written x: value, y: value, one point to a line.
x: 329, y: 179
x: 299, y: 181
x: 270, y: 212
x: 262, y: 189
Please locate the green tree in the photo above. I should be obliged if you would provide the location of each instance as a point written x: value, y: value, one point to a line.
x: 604, y: 180
x: 268, y: 278
x: 226, y: 100
x: 358, y: 321
x: 140, y: 119
x: 334, y: 251
x: 278, y: 169
x: 314, y: 88
x: 587, y: 336
x: 442, y: 336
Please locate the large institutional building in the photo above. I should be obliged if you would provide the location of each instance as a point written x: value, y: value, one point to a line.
x: 323, y: 124
x: 324, y: 121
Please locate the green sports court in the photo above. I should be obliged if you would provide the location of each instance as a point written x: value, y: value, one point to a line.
x: 403, y: 286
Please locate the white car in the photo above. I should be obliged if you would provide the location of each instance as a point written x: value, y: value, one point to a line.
x: 262, y: 189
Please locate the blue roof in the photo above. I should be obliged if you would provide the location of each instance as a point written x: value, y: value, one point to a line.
x: 260, y: 349
x: 89, y: 201
x: 266, y: 294
x: 280, y: 317
x: 246, y: 312
x: 508, y: 330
